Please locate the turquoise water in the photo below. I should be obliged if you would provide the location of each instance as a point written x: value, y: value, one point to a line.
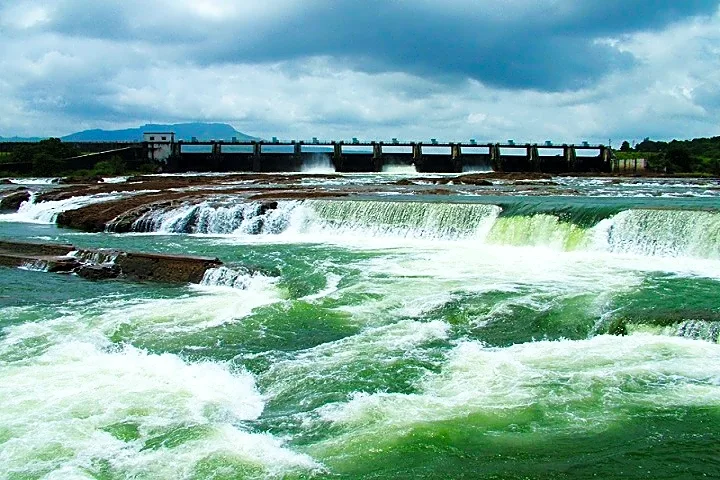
x: 528, y: 337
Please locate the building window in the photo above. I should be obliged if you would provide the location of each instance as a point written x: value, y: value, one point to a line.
x: 164, y: 138
x: 152, y: 138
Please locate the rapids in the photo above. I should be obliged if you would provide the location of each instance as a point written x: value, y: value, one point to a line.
x: 382, y: 336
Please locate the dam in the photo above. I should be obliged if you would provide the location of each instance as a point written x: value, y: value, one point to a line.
x: 377, y: 156
x: 340, y: 156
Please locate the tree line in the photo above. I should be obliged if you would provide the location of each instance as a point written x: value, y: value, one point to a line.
x: 699, y: 155
x: 52, y: 157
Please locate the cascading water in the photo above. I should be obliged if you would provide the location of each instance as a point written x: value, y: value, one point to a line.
x: 540, y: 230
x: 665, y: 233
x: 318, y: 164
x: 399, y: 169
x: 213, y: 218
x: 35, y: 265
x: 241, y: 279
x: 95, y: 256
x: 398, y: 219
x: 47, y: 212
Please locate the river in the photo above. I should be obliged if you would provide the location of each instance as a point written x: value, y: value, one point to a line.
x: 382, y: 336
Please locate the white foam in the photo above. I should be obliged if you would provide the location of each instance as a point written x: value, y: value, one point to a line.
x: 47, y: 212
x: 333, y: 359
x: 400, y: 169
x: 35, y: 181
x: 661, y: 233
x: 115, y: 179
x: 579, y: 385
x: 318, y: 164
x: 57, y: 409
x: 331, y: 286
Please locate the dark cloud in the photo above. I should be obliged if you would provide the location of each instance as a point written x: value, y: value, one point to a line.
x: 527, y: 47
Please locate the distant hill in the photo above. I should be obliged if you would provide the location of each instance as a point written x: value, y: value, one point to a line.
x: 183, y: 131
x: 20, y: 139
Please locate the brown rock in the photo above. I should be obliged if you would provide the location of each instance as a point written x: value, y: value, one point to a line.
x: 36, y: 248
x: 165, y: 268
x: 404, y: 182
x: 62, y: 264
x: 296, y: 195
x: 478, y: 180
x: 80, y: 180
x: 438, y: 191
x: 102, y: 271
x: 13, y: 201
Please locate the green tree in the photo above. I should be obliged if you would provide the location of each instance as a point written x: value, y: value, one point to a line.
x: 114, y: 166
x: 679, y: 159
x: 625, y: 147
x: 47, y: 156
x: 45, y: 165
x: 648, y: 145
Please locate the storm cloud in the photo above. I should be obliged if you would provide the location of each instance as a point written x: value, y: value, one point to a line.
x: 563, y: 69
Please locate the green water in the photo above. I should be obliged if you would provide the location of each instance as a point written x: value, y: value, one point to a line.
x: 378, y: 341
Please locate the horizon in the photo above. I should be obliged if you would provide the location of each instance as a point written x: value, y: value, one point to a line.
x: 579, y: 72
x: 614, y: 143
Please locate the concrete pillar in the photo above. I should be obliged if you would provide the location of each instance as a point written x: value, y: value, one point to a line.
x: 606, y: 156
x: 456, y: 156
x: 455, y: 150
x: 377, y: 156
x: 495, y: 157
x: 570, y: 157
x: 416, y: 152
x: 533, y: 158
x: 337, y: 156
x: 257, y: 155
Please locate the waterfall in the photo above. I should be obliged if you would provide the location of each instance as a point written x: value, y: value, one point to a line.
x: 47, y: 212
x: 399, y: 169
x: 320, y: 163
x: 662, y: 233
x: 398, y: 219
x: 214, y: 218
x: 226, y: 277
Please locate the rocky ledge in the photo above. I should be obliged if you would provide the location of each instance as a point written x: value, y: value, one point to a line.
x: 100, y: 264
x: 133, y: 199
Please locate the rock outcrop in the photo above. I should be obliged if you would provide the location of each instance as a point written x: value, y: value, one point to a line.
x: 106, y: 264
x: 12, y: 201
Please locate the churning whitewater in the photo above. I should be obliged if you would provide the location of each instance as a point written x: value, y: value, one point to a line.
x: 652, y: 232
x: 377, y: 336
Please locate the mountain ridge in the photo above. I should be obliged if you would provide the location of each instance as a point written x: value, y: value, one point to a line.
x: 183, y: 131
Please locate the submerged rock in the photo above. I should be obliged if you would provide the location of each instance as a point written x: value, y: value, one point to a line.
x: 102, y: 271
x: 62, y: 264
x: 79, y: 180
x: 265, y: 206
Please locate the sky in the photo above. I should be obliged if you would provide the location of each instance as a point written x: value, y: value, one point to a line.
x: 491, y: 70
